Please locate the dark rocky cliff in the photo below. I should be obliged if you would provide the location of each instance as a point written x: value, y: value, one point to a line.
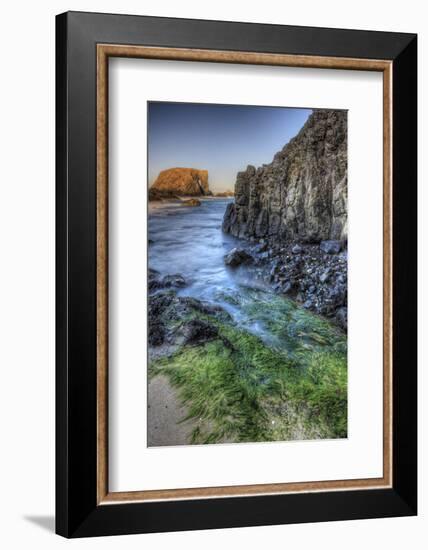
x: 302, y: 194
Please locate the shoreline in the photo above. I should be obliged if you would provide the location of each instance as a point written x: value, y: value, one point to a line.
x: 316, y: 280
x: 312, y: 275
x: 181, y: 198
x: 235, y: 385
x: 247, y: 359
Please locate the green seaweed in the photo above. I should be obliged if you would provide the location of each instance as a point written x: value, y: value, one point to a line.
x: 246, y: 388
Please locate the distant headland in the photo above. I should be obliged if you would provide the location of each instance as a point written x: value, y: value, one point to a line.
x: 180, y: 182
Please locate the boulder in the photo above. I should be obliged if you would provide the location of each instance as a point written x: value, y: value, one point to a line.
x: 173, y: 281
x: 158, y: 306
x: 156, y: 335
x: 153, y: 273
x: 308, y: 304
x: 188, y: 304
x: 169, y: 323
x: 156, y: 282
x: 237, y: 257
x: 197, y: 331
x: 289, y: 287
x: 331, y: 247
x: 325, y: 275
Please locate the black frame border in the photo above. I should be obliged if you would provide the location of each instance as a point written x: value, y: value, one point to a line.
x: 77, y: 512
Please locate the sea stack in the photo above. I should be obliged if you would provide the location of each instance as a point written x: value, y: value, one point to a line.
x: 180, y: 182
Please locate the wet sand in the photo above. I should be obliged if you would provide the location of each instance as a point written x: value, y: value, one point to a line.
x: 164, y: 414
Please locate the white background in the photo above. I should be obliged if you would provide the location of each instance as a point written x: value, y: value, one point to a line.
x: 132, y: 83
x: 27, y: 275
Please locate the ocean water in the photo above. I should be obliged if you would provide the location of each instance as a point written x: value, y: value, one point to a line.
x: 189, y: 241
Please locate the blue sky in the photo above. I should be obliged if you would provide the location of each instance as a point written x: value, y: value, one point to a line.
x: 222, y: 139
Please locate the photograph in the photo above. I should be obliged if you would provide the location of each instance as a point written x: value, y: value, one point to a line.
x: 247, y: 261
x: 212, y: 277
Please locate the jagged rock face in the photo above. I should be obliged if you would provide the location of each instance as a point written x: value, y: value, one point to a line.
x: 302, y: 194
x: 180, y: 181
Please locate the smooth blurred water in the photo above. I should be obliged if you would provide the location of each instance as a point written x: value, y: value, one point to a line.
x: 189, y: 240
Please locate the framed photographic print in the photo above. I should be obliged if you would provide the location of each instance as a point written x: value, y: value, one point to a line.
x: 236, y: 274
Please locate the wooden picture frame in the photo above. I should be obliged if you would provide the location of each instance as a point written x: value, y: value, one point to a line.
x: 85, y: 42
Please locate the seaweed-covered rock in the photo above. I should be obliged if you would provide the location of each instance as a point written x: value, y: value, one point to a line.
x: 157, y: 282
x: 177, y: 320
x: 311, y: 277
x: 156, y: 334
x: 157, y: 307
x: 197, y: 331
